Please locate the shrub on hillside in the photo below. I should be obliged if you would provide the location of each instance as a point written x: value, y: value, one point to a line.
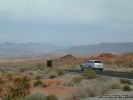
x: 125, y: 81
x: 52, y: 75
x: 59, y: 71
x: 77, y: 79
x: 90, y: 88
x: 21, y: 70
x: 116, y: 86
x: 126, y: 88
x: 39, y: 83
x: 15, y: 88
x: 40, y: 66
x: 51, y: 97
x: 90, y: 74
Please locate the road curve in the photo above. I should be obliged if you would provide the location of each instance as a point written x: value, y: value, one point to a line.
x: 105, y: 73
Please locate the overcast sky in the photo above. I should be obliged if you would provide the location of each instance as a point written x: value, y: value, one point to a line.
x: 66, y: 22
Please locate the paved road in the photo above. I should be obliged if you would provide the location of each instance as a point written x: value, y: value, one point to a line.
x: 105, y: 73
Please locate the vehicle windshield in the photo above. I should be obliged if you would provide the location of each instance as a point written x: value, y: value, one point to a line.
x: 97, y: 61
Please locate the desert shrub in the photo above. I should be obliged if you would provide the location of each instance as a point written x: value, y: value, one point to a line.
x: 77, y: 79
x: 39, y: 83
x: 124, y: 81
x: 126, y: 88
x: 101, y: 79
x: 21, y: 70
x: 51, y: 97
x: 40, y: 66
x: 52, y: 75
x: 73, y: 66
x: 89, y: 74
x: 15, y: 88
x: 116, y: 86
x: 90, y: 88
x: 74, y: 81
x: 59, y: 71
x: 35, y: 96
x: 129, y: 64
x: 22, y: 87
x: 91, y: 92
x: 119, y: 63
x: 79, y: 94
x: 107, y: 84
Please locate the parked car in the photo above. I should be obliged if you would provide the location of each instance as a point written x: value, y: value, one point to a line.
x: 92, y: 64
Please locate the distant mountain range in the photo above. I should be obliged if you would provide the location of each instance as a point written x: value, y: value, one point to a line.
x: 9, y: 49
x: 103, y: 47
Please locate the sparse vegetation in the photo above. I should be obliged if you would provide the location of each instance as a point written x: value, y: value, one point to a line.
x: 52, y: 75
x: 119, y: 63
x: 90, y: 74
x: 16, y: 88
x: 116, y: 86
x: 51, y: 97
x: 59, y: 71
x: 21, y: 70
x: 77, y: 79
x: 40, y: 66
x: 39, y: 83
x: 40, y: 96
x: 124, y: 81
x: 73, y: 66
x: 126, y: 88
x: 90, y: 88
x: 80, y: 86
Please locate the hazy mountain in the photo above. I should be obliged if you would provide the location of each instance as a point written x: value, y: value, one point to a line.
x: 103, y: 47
x: 9, y: 49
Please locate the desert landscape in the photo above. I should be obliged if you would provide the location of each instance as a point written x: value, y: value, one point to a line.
x: 37, y: 81
x: 66, y: 49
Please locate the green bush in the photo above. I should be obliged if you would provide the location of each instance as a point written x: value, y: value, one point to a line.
x: 90, y: 74
x: 59, y: 71
x: 126, y: 88
x: 11, y: 89
x: 21, y: 70
x: 22, y: 86
x: 124, y: 81
x: 77, y: 79
x: 39, y: 83
x: 51, y: 97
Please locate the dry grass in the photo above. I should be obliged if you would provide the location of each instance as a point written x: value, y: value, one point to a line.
x: 91, y: 88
